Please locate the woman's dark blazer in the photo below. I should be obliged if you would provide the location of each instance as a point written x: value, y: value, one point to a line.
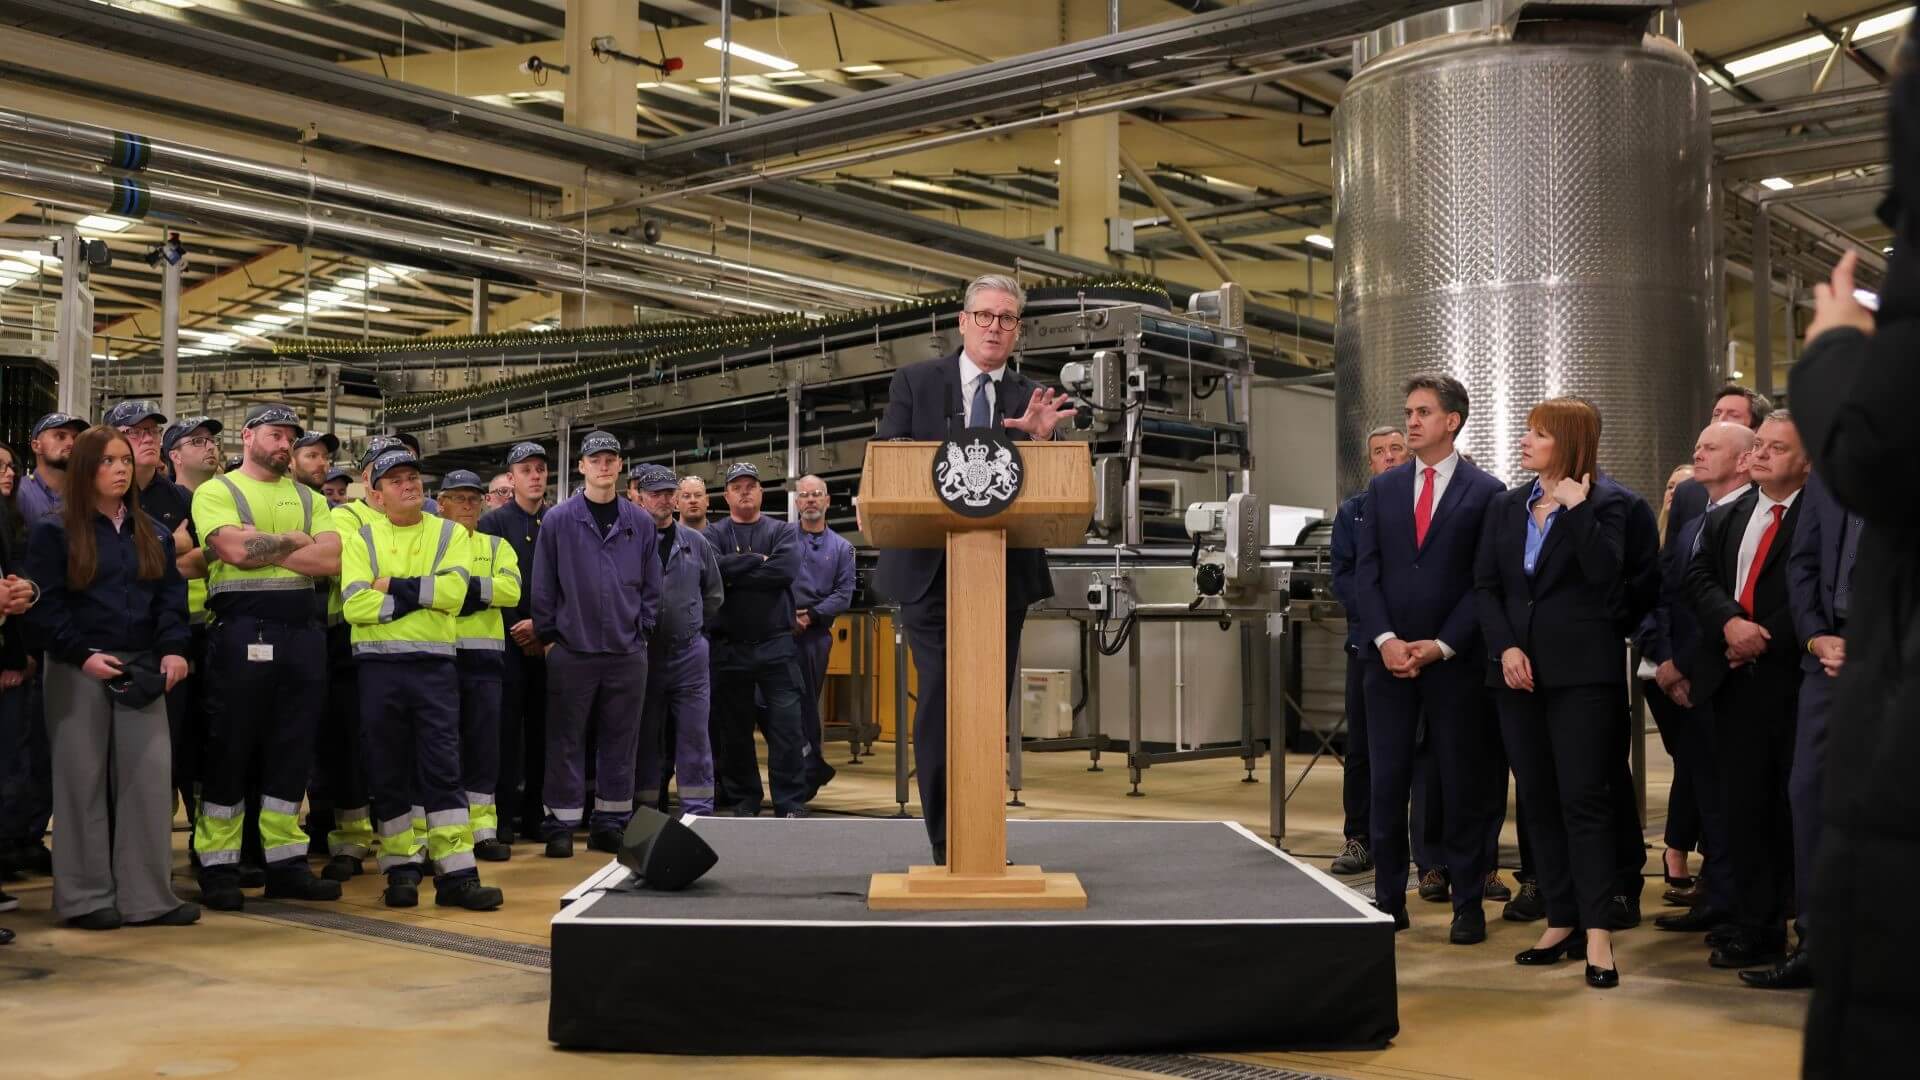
x: 1563, y: 616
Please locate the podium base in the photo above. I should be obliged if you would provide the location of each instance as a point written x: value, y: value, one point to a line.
x: 935, y: 888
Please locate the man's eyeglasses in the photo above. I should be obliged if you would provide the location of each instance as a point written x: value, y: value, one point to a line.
x: 501, y: 492
x: 142, y: 434
x: 196, y: 440
x: 984, y: 319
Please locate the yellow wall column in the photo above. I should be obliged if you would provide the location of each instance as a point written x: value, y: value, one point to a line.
x: 1089, y: 152
x: 600, y: 97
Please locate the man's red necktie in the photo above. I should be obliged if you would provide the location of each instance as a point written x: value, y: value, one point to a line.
x: 1760, y: 559
x: 1423, y: 508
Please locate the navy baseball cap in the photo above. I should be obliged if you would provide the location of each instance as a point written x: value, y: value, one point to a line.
x: 523, y: 451
x: 319, y: 438
x: 392, y: 459
x: 409, y: 439
x: 276, y: 416
x: 742, y: 468
x: 598, y: 442
x: 655, y: 477
x: 461, y: 480
x: 57, y: 419
x: 338, y: 474
x: 128, y: 413
x: 184, y: 427
x: 377, y: 445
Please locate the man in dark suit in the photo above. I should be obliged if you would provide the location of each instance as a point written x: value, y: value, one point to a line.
x: 1747, y: 663
x: 931, y: 400
x: 1820, y: 586
x: 1413, y: 592
x: 1386, y: 448
x: 1670, y: 640
x: 1732, y: 404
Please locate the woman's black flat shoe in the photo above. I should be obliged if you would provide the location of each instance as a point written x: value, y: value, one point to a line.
x: 1603, y: 978
x: 1573, y: 945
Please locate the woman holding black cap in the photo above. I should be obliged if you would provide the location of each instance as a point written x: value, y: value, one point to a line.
x: 113, y: 622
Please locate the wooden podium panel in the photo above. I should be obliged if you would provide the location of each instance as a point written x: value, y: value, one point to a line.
x: 899, y: 508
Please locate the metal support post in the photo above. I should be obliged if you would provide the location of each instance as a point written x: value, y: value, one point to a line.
x: 1093, y: 695
x: 902, y: 716
x: 480, y: 302
x: 1763, y: 300
x: 1278, y: 644
x: 173, y: 264
x: 793, y: 449
x: 1135, y: 752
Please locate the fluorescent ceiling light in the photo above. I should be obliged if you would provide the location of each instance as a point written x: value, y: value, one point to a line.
x: 324, y: 296
x: 861, y: 69
x: 294, y: 306
x: 1320, y: 241
x: 196, y: 352
x: 1882, y: 24
x: 1800, y: 49
x: 770, y: 98
x: 104, y: 223
x: 1776, y: 183
x: 794, y: 77
x: 272, y: 320
x: 542, y: 327
x: 8, y: 281
x: 777, y: 63
x: 394, y: 270
x: 253, y: 330
x: 354, y: 283
x: 178, y: 3
x: 15, y: 266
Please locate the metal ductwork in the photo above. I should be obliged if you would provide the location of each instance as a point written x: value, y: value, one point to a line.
x: 296, y: 223
x: 1523, y: 200
x: 138, y: 154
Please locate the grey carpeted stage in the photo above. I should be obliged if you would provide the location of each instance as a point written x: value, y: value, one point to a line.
x: 1196, y: 936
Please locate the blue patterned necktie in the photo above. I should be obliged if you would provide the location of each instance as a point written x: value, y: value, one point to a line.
x: 980, y: 413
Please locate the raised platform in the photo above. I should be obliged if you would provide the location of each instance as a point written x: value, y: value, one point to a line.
x: 1196, y: 936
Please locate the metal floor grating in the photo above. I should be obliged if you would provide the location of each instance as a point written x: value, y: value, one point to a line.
x: 512, y: 952
x: 1184, y: 1066
x: 1197, y: 1067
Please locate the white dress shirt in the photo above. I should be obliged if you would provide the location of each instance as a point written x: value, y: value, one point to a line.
x: 1750, y: 540
x: 1442, y: 473
x: 970, y: 375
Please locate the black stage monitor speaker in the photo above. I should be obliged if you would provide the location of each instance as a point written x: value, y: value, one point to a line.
x: 663, y: 853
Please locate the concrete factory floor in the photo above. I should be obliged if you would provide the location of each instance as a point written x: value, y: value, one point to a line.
x: 262, y: 995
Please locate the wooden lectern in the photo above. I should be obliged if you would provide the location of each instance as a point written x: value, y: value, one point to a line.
x: 900, y: 508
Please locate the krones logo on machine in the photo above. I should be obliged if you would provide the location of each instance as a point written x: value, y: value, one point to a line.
x: 977, y: 475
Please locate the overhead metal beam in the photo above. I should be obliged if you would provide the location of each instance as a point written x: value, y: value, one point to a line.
x: 1184, y: 48
x: 1172, y: 213
x: 1843, y: 41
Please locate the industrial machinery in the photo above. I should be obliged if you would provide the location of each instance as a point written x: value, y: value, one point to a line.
x: 1525, y: 201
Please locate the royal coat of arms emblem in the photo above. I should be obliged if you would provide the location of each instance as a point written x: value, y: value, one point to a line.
x: 977, y: 475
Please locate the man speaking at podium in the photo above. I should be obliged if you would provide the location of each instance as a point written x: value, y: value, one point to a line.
x: 930, y: 401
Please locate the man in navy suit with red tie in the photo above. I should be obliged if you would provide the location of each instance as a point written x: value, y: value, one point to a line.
x: 1413, y: 589
x: 1748, y: 665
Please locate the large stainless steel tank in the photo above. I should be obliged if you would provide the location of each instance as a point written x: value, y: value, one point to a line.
x: 1527, y: 206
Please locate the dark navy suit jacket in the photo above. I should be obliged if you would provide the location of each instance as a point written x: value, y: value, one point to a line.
x: 1345, y: 521
x: 1813, y: 567
x: 924, y: 402
x: 1566, y: 617
x: 1714, y: 593
x: 1420, y: 591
